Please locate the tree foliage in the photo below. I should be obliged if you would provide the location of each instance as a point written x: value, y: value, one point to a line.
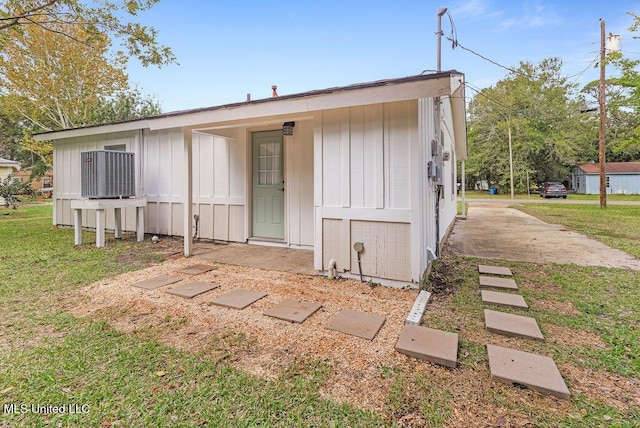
x: 55, y: 84
x: 11, y: 187
x: 125, y: 105
x: 47, y: 83
x: 548, y: 131
x: 622, y: 104
x: 89, y: 20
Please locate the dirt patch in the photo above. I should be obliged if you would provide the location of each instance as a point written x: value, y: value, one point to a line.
x: 571, y: 337
x: 610, y: 389
x: 443, y: 278
x: 564, y: 308
x: 537, y: 280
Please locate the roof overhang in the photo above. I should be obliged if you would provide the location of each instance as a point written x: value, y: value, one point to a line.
x: 6, y: 163
x: 383, y: 91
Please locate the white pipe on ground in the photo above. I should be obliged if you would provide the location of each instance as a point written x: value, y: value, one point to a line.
x: 332, y: 269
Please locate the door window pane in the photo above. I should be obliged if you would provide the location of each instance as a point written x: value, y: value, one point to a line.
x: 269, y: 169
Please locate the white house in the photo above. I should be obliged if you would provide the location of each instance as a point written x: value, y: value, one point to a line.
x: 622, y: 178
x: 361, y: 166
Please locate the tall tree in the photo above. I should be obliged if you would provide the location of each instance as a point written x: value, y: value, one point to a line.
x: 89, y: 19
x: 55, y: 84
x: 548, y: 131
x: 48, y: 83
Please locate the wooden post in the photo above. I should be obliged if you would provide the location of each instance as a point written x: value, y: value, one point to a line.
x: 603, y: 177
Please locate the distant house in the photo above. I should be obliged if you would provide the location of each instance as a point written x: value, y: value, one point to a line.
x: 371, y: 163
x: 623, y: 178
x: 44, y: 182
x: 7, y: 167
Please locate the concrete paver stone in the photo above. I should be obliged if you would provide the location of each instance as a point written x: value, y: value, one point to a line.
x: 191, y: 289
x: 494, y: 270
x: 503, y: 299
x: 512, y: 325
x: 436, y: 346
x: 293, y: 310
x: 196, y: 269
x: 491, y: 281
x: 156, y: 282
x: 360, y: 324
x: 534, y: 371
x: 238, y: 299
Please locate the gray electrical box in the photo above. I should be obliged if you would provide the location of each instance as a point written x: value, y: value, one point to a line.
x: 107, y: 174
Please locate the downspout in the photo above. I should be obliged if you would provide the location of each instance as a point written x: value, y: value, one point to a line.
x: 438, y: 189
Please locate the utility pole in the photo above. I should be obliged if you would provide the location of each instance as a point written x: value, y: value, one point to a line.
x: 603, y: 177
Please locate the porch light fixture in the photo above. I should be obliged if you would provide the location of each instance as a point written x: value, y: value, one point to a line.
x: 287, y: 128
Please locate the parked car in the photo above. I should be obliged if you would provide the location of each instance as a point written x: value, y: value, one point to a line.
x: 553, y: 189
x: 45, y: 192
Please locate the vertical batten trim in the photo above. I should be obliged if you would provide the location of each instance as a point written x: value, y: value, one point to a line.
x: 344, y: 130
x: 188, y: 191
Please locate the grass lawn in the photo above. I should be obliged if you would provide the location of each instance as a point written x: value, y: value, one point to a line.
x: 590, y: 316
x: 617, y: 226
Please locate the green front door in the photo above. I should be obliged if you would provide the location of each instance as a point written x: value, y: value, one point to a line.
x: 268, y: 185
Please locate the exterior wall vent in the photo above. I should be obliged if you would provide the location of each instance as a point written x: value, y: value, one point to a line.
x: 107, y: 174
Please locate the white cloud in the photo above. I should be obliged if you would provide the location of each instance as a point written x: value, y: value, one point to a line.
x: 534, y: 14
x: 470, y: 8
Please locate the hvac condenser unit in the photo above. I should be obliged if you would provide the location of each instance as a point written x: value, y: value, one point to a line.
x: 107, y: 174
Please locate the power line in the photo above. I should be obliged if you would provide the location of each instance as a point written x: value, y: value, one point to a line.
x: 457, y: 43
x: 579, y: 75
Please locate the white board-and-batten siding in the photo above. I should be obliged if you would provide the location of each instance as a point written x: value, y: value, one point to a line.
x: 363, y: 187
x: 219, y: 196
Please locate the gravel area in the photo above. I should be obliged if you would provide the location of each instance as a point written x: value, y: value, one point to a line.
x: 256, y: 343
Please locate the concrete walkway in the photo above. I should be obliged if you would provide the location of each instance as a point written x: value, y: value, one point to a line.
x: 505, y: 233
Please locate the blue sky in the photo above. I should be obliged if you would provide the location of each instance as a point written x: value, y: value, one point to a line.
x: 227, y: 49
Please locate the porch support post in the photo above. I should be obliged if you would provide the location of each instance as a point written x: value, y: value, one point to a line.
x: 118, y: 222
x: 100, y: 225
x: 188, y: 191
x: 77, y: 226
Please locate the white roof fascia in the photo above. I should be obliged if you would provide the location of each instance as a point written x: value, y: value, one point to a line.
x: 339, y: 99
x: 93, y: 130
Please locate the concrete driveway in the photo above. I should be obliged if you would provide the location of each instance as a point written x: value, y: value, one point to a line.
x: 499, y: 232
